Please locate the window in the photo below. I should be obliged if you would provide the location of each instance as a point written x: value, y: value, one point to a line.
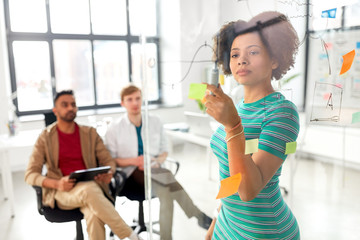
x: 90, y: 46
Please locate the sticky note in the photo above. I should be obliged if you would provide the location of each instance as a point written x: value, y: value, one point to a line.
x: 290, y: 147
x: 331, y: 13
x: 229, y: 186
x: 356, y: 117
x: 339, y: 85
x: 347, y: 61
x: 197, y: 91
x: 221, y: 79
x: 326, y: 96
x: 203, y: 100
x: 328, y: 45
x: 251, y: 146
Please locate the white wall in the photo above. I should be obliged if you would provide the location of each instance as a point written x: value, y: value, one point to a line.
x: 334, y: 144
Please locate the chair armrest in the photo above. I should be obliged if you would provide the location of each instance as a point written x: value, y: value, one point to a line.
x: 40, y: 206
x: 173, y: 161
x: 117, y: 183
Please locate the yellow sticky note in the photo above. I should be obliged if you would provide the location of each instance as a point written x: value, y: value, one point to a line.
x: 347, y: 61
x: 229, y: 186
x: 290, y: 147
x: 197, y: 91
x: 251, y: 146
x: 221, y: 79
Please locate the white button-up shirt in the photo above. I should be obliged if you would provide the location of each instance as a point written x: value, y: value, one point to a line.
x: 121, y: 138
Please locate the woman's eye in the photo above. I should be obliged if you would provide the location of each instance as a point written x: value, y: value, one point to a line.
x: 253, y: 52
x: 234, y: 55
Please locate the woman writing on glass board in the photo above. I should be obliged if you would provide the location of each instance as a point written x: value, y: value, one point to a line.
x: 254, y: 52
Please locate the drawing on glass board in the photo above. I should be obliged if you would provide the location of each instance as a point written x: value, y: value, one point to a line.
x: 327, y: 102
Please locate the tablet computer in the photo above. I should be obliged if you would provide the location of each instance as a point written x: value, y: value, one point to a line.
x: 88, y: 174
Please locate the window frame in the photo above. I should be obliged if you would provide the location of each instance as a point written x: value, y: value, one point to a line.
x: 49, y: 37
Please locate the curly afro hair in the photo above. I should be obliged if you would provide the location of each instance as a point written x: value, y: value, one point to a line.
x: 276, y: 32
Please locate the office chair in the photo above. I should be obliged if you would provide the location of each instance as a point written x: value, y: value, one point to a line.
x: 57, y: 215
x: 138, y: 194
x: 49, y: 118
x: 285, y: 190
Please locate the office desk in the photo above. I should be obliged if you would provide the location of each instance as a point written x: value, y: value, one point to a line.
x: 18, y: 142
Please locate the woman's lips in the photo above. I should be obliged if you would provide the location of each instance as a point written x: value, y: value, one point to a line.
x: 242, y: 72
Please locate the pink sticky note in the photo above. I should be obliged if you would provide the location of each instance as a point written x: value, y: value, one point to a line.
x: 326, y: 96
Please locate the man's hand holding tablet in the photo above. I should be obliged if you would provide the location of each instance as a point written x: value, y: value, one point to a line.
x: 92, y: 174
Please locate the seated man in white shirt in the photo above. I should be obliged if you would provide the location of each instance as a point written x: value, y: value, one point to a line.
x: 124, y: 139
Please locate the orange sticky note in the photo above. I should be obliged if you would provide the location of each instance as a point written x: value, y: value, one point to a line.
x: 347, y: 61
x: 203, y: 100
x: 229, y: 186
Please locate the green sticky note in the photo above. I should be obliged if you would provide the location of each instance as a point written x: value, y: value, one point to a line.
x: 356, y: 117
x: 290, y: 147
x: 251, y: 146
x: 197, y: 91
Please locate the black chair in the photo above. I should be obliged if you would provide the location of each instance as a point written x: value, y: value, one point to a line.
x: 57, y: 215
x: 49, y: 118
x: 285, y: 190
x: 138, y: 194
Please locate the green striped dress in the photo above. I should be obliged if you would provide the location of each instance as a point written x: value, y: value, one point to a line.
x: 274, y: 121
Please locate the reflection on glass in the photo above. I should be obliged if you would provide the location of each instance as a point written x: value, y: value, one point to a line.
x: 68, y: 16
x: 151, y: 68
x: 111, y: 69
x: 28, y: 15
x: 137, y: 21
x: 109, y: 18
x: 33, y: 78
x: 73, y: 69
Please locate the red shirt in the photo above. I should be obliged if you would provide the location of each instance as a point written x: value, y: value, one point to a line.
x: 70, y: 156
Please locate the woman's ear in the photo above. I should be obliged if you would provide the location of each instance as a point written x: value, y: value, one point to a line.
x: 275, y: 64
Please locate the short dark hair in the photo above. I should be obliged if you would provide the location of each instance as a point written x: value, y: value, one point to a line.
x: 63, y: 92
x: 279, y: 37
x: 128, y: 90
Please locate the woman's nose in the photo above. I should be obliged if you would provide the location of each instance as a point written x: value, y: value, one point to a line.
x: 242, y: 61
